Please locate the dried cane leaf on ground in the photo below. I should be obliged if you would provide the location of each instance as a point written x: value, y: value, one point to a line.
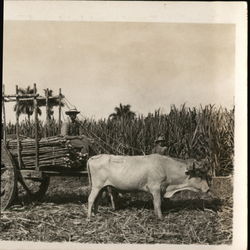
x: 62, y: 217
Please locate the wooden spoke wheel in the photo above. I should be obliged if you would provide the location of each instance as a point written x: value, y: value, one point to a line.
x: 8, y: 178
x: 35, y: 188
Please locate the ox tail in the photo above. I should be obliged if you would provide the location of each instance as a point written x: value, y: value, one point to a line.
x: 89, y: 174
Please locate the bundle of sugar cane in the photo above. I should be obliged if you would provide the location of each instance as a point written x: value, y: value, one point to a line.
x: 53, y: 151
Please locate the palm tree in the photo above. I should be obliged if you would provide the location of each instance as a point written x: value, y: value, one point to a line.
x: 26, y: 106
x: 53, y: 102
x: 122, y: 112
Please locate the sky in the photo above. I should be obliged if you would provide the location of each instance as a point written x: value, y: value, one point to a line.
x: 101, y: 64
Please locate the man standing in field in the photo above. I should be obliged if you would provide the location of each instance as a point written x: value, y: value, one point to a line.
x: 71, y: 128
x: 71, y: 131
x: 159, y: 147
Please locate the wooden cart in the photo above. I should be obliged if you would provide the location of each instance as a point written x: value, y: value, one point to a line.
x: 34, y: 177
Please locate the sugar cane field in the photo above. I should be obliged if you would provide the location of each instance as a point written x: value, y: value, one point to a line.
x: 188, y: 218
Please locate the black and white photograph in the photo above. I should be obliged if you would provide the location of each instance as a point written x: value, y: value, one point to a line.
x: 123, y: 123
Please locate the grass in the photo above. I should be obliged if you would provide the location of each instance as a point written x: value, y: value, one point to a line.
x: 62, y: 217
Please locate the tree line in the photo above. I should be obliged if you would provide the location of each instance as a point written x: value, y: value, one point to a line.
x: 26, y: 107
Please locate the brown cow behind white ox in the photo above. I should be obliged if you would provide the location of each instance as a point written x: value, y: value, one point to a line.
x: 157, y: 174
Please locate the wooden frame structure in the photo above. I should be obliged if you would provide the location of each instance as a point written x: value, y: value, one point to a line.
x: 35, y: 97
x: 27, y: 97
x: 13, y: 170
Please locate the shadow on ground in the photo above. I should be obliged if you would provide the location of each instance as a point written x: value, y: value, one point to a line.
x: 174, y: 205
x: 63, y: 191
x: 138, y: 201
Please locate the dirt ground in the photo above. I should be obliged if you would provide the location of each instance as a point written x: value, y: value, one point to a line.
x: 61, y: 216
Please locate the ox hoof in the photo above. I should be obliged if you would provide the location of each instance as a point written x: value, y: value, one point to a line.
x: 160, y: 217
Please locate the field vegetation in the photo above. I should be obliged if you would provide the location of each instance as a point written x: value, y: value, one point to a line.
x: 204, y: 132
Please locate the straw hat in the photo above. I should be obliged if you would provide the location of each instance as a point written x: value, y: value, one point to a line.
x: 72, y: 111
x: 160, y: 138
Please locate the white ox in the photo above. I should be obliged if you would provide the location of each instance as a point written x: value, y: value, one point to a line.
x: 157, y: 174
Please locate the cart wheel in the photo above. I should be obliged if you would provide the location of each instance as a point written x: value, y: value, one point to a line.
x: 8, y: 178
x: 35, y: 188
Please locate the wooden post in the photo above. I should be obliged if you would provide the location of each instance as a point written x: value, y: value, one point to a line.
x: 17, y: 131
x: 4, y: 118
x: 36, y: 130
x: 47, y: 112
x: 60, y: 112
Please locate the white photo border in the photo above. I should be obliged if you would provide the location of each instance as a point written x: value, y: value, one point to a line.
x: 163, y: 12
